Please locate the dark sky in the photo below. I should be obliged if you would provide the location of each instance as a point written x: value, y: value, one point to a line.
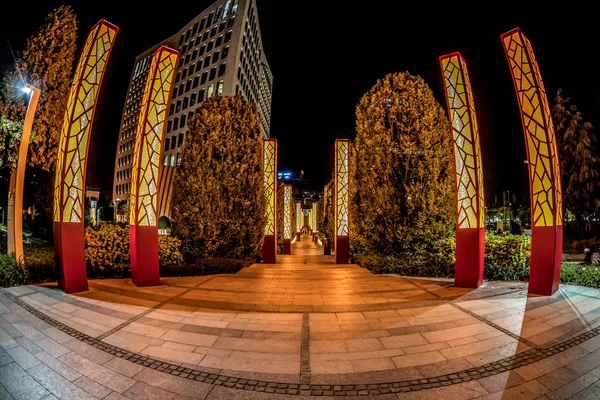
x: 325, y: 55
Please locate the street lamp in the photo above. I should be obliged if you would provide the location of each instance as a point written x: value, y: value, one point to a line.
x: 17, y: 178
x: 117, y: 209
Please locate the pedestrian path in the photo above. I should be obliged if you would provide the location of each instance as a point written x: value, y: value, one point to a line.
x: 304, y: 326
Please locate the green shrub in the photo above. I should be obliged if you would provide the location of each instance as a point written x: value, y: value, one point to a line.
x: 107, y: 250
x: 580, y: 274
x: 168, y: 251
x: 11, y: 272
x: 507, y: 257
x: 39, y: 264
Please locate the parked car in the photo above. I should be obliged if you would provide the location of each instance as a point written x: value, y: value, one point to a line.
x: 592, y: 253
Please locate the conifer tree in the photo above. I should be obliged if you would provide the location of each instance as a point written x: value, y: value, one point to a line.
x: 576, y: 145
x: 218, y: 206
x: 402, y: 174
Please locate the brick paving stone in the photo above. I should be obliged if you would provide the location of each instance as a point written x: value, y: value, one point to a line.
x: 23, y: 357
x: 20, y: 384
x: 58, y: 385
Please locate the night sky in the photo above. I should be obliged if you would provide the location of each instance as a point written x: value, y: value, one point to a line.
x: 325, y: 56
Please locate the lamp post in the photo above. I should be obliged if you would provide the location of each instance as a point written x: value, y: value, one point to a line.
x: 17, y: 178
x: 116, y: 216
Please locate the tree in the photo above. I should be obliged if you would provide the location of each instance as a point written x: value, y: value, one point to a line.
x: 218, y: 207
x: 576, y: 145
x: 402, y: 175
x: 46, y: 62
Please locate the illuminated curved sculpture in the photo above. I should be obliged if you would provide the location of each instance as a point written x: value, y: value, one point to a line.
x: 544, y: 171
x: 342, y: 243
x: 270, y: 179
x: 287, y: 219
x: 71, y: 166
x: 470, y: 204
x: 299, y: 220
x: 149, y: 139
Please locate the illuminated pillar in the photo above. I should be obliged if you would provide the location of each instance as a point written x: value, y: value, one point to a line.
x: 287, y: 219
x: 270, y: 174
x: 342, y: 244
x: 299, y: 221
x: 470, y: 204
x: 69, y: 184
x: 542, y: 157
x: 149, y: 139
x: 17, y: 180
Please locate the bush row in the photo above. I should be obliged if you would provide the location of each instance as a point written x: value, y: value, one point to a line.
x: 107, y: 256
x: 506, y: 259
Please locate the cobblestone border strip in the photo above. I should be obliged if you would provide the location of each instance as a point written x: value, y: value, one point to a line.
x: 305, y: 350
x: 506, y: 364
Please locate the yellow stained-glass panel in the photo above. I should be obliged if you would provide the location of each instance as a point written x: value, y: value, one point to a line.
x: 299, y: 217
x: 77, y: 125
x: 269, y: 169
x: 544, y: 171
x: 342, y: 154
x: 287, y: 212
x: 467, y: 149
x: 150, y: 137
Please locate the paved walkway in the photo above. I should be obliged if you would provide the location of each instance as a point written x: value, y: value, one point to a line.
x: 302, y: 327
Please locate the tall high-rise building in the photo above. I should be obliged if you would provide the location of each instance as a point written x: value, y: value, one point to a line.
x: 221, y: 54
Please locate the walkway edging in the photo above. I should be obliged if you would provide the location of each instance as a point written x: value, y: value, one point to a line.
x: 506, y: 364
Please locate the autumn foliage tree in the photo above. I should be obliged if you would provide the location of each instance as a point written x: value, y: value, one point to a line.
x: 578, y: 165
x: 218, y: 207
x: 47, y: 63
x: 402, y: 182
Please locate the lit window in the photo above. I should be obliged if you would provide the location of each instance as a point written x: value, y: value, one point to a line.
x: 235, y: 6
x: 210, y: 91
x: 172, y: 160
x: 166, y: 161
x: 178, y: 159
x: 220, y: 88
x: 226, y: 10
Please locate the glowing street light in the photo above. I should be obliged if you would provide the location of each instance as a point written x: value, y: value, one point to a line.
x: 17, y: 179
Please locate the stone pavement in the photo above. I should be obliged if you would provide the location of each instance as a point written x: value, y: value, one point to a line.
x: 302, y: 327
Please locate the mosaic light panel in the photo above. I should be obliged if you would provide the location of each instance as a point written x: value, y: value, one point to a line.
x: 342, y: 153
x: 544, y: 171
x: 467, y: 150
x: 287, y: 212
x: 74, y: 138
x: 269, y: 168
x: 150, y: 136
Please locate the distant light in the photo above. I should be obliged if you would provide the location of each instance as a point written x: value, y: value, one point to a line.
x: 26, y: 89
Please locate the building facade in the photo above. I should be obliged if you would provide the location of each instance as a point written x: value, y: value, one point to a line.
x: 221, y: 54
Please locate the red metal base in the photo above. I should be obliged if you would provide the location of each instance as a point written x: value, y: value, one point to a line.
x: 342, y: 248
x: 143, y: 242
x: 70, y: 256
x: 298, y: 236
x: 546, y: 258
x: 470, y: 246
x: 270, y: 250
x: 287, y: 246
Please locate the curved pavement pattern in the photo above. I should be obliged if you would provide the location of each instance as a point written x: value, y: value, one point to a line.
x: 302, y: 327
